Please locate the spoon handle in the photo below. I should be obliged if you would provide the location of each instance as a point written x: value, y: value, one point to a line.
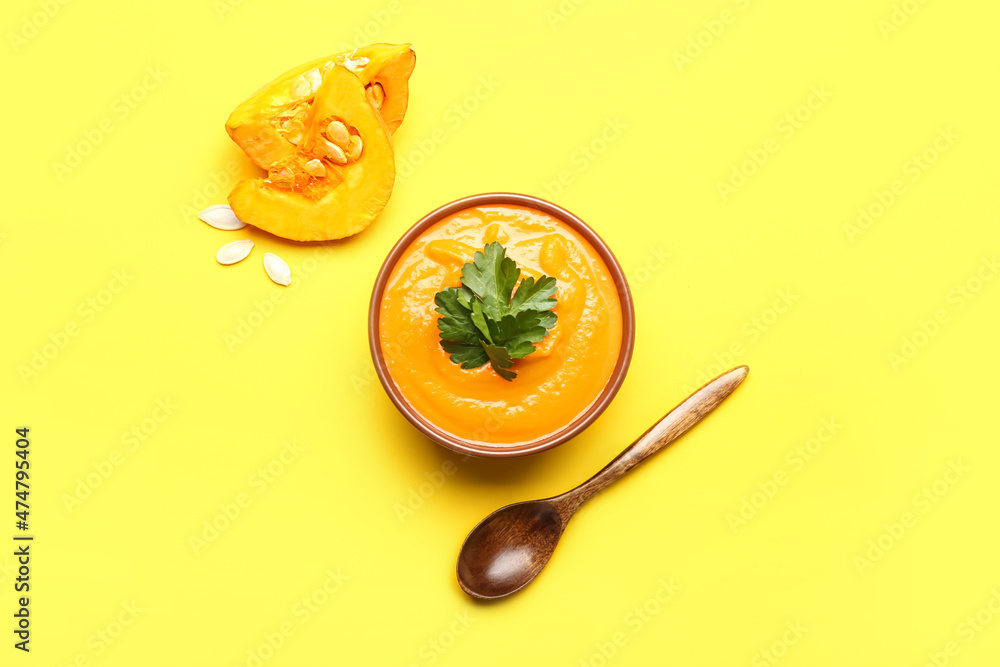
x: 677, y: 422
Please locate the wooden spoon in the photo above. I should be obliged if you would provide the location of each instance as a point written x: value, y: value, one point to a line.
x: 511, y: 546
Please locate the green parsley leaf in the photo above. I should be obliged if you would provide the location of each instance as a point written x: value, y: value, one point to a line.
x: 456, y: 325
x: 480, y: 320
x: 469, y: 356
x: 491, y: 276
x: 501, y: 361
x: 487, y: 321
x: 533, y: 295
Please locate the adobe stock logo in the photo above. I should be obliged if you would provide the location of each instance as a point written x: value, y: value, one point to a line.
x: 713, y: 29
x: 922, y: 501
x: 914, y: 168
x: 231, y: 510
x: 751, y: 332
x: 583, y: 157
x: 368, y: 32
x: 121, y: 108
x: 31, y: 24
x: 58, y: 340
x: 131, y: 439
x: 957, y: 298
x: 420, y: 493
x: 304, y: 609
x: 561, y: 13
x: 408, y: 162
x: 434, y: 648
x: 901, y: 14
x: 779, y: 648
x: 967, y: 630
x: 104, y: 637
x: 635, y: 620
x: 796, y: 459
x: 787, y: 127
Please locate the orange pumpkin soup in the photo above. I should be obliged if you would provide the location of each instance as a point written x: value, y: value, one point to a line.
x: 554, y: 384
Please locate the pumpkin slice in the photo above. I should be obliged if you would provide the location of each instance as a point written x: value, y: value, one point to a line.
x: 269, y: 125
x: 386, y: 78
x: 338, y: 178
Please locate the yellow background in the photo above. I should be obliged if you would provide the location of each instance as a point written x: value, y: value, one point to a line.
x: 506, y: 96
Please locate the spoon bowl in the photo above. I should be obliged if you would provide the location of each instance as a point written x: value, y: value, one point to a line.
x: 508, y: 549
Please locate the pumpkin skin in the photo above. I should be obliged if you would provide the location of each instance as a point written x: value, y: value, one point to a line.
x: 267, y: 124
x: 349, y: 195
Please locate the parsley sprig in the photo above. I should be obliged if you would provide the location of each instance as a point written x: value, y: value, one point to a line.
x: 486, y: 321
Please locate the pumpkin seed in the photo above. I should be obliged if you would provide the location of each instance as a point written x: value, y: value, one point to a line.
x: 315, y: 169
x: 221, y: 216
x: 314, y: 78
x: 300, y: 87
x: 332, y: 151
x: 356, y: 64
x: 281, y: 176
x: 277, y: 270
x: 234, y: 252
x: 354, y: 150
x: 338, y: 134
x: 376, y: 95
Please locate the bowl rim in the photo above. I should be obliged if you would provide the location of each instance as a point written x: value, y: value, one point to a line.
x: 586, y: 417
